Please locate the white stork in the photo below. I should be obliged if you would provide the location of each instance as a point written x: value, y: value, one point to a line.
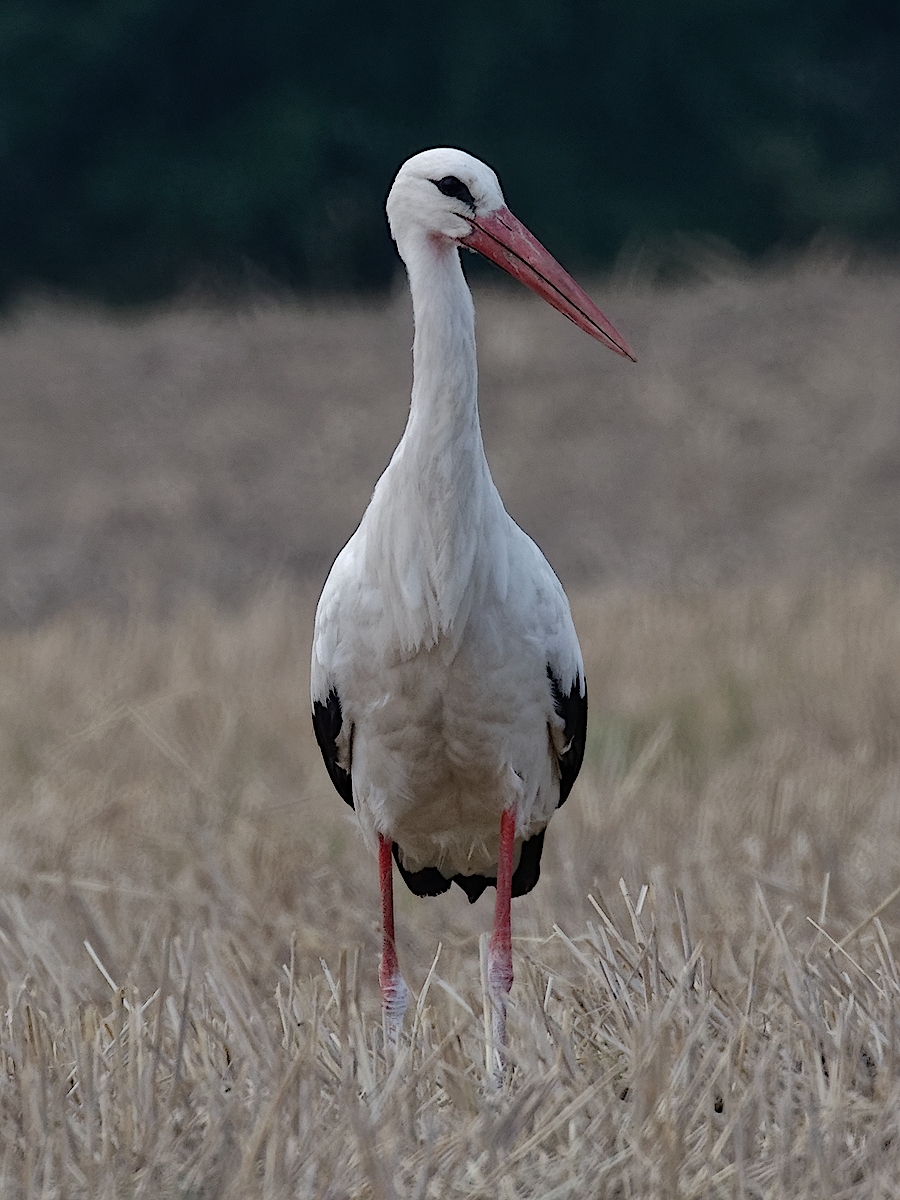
x: 448, y: 689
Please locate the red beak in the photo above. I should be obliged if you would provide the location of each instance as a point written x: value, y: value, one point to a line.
x: 503, y: 239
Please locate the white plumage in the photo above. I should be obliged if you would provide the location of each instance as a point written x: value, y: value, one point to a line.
x: 447, y: 679
x: 449, y: 705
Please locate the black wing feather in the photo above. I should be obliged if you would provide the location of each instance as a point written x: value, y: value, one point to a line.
x: 572, y: 707
x: 327, y: 720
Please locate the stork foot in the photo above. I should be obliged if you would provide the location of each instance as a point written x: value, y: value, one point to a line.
x: 394, y: 999
x: 499, y: 978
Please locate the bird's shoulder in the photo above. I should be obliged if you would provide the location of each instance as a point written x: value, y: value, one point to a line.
x: 347, y: 604
x: 535, y: 591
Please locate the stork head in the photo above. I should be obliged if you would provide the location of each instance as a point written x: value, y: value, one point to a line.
x: 449, y: 196
x: 439, y: 192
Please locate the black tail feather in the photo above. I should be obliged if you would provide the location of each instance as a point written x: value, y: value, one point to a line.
x: 430, y: 881
x: 427, y: 882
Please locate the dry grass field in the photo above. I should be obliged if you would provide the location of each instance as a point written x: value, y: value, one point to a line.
x: 707, y: 995
x: 188, y: 930
x: 213, y: 450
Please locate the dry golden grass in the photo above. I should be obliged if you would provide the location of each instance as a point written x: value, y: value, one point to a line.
x: 174, y: 866
x: 206, y: 450
x: 188, y: 919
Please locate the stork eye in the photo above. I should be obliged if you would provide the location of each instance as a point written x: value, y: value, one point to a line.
x: 451, y: 186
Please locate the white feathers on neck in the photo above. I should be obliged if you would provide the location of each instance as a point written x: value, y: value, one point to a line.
x: 432, y: 528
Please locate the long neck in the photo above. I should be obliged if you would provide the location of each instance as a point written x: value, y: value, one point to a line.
x: 443, y: 428
x: 436, y: 506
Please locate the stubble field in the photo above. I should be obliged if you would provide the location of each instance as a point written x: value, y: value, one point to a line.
x: 707, y: 994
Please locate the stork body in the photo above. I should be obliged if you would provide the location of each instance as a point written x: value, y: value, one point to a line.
x: 448, y: 688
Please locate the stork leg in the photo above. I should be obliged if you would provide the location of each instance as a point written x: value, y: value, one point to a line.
x: 500, y: 967
x: 394, y: 992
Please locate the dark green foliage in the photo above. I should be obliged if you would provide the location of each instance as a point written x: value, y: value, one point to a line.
x: 145, y: 143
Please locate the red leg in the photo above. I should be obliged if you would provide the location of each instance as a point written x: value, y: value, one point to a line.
x: 394, y: 992
x: 500, y: 967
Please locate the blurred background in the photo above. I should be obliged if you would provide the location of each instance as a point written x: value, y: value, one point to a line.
x: 205, y: 365
x: 206, y: 332
x: 147, y: 143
